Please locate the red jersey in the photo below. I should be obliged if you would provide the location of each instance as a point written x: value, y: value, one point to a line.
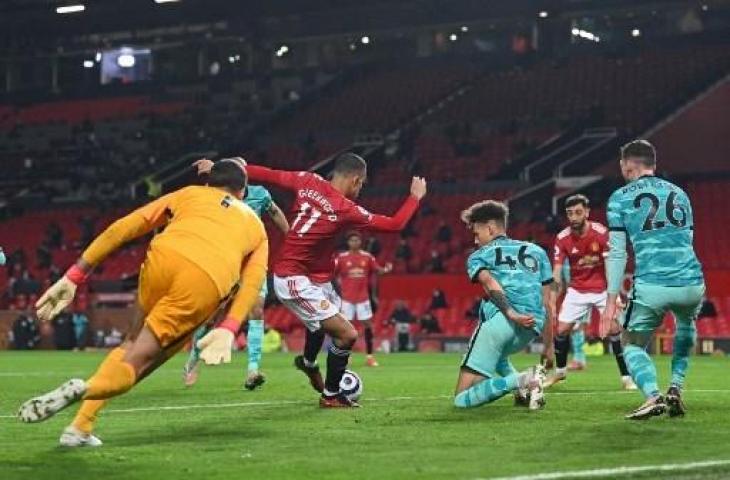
x: 353, y: 272
x: 586, y: 256
x: 321, y: 213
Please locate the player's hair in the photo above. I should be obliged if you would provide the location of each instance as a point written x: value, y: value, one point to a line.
x: 640, y: 151
x: 349, y: 164
x: 578, y: 199
x: 229, y: 173
x: 483, y: 212
x: 353, y: 233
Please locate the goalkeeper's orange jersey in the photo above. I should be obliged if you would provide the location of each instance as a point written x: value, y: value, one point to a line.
x: 211, y: 228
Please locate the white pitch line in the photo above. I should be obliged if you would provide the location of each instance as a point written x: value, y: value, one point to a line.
x: 618, y: 471
x: 160, y: 408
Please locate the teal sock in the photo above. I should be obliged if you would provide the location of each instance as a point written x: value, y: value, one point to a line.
x: 194, y: 350
x: 505, y: 368
x: 577, y: 340
x: 684, y: 341
x: 486, y: 391
x: 254, y: 338
x: 642, y: 370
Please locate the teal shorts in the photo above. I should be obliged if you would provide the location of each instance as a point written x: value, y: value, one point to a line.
x: 494, y: 339
x: 649, y: 303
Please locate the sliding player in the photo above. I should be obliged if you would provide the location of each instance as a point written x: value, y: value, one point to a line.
x: 517, y: 276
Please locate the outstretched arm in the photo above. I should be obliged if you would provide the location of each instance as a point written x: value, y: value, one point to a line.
x: 136, y: 224
x: 367, y: 220
x: 257, y: 173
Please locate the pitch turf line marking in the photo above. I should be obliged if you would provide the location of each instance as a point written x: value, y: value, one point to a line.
x: 619, y: 471
x: 159, y: 408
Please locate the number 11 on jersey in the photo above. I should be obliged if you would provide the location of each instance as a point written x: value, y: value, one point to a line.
x: 314, y: 216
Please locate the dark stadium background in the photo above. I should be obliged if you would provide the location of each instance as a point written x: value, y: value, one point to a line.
x: 526, y: 101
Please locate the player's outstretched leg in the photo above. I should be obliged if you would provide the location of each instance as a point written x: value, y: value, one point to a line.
x: 113, y: 377
x: 344, y: 337
x: 255, y: 338
x: 491, y: 389
x: 684, y: 341
x: 79, y: 432
x: 618, y: 351
x: 577, y: 341
x: 521, y: 395
x: 643, y: 372
x: 190, y: 369
x: 307, y: 363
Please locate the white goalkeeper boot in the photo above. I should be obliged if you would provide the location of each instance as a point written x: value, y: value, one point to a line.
x: 73, y: 437
x: 44, y: 407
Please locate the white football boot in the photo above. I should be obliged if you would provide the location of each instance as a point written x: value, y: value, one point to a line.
x: 536, y: 382
x: 44, y: 407
x: 73, y: 437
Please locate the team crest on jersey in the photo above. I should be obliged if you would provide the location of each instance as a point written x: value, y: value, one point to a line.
x: 324, y: 305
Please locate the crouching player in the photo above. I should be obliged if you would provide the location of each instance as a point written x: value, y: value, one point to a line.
x: 212, y: 244
x: 519, y: 280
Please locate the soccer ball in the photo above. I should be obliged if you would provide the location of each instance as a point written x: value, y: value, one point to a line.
x: 351, y: 385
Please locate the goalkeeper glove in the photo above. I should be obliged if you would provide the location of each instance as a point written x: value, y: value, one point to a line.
x: 60, y: 294
x: 216, y: 345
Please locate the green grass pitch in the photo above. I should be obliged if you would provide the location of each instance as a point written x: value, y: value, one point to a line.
x: 406, y: 429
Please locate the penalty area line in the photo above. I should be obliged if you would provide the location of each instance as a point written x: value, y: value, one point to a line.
x: 618, y: 471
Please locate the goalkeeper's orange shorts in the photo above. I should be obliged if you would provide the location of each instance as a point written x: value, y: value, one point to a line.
x: 175, y: 295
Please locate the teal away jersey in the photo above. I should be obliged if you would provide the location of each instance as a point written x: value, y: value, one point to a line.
x: 258, y: 198
x: 657, y: 218
x: 521, y: 268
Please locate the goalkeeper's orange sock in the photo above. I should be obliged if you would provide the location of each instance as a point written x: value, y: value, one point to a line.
x: 86, y: 416
x: 113, y: 377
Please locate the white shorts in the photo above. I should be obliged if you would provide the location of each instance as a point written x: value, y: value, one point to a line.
x: 310, y: 302
x: 362, y: 311
x: 578, y: 307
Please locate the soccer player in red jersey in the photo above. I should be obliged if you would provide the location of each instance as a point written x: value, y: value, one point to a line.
x: 304, y: 268
x: 354, y: 271
x: 584, y: 244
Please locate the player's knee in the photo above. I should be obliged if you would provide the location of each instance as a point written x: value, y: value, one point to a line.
x: 564, y: 328
x: 637, y: 339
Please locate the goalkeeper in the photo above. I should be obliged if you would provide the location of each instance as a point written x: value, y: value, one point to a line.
x: 212, y: 244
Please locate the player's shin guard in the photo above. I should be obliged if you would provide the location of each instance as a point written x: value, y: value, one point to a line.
x: 113, y: 377
x: 642, y: 370
x: 88, y: 412
x: 312, y: 345
x: 369, y: 340
x: 254, y: 339
x: 684, y: 341
x: 194, y: 356
x: 577, y: 340
x: 337, y: 359
x: 486, y: 391
x: 618, y: 352
x: 562, y: 344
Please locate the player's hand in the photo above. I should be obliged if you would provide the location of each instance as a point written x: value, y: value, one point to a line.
x: 388, y: 267
x: 548, y: 356
x: 608, y: 325
x: 55, y: 299
x: 418, y: 187
x: 203, y: 166
x: 216, y: 346
x: 527, y: 321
